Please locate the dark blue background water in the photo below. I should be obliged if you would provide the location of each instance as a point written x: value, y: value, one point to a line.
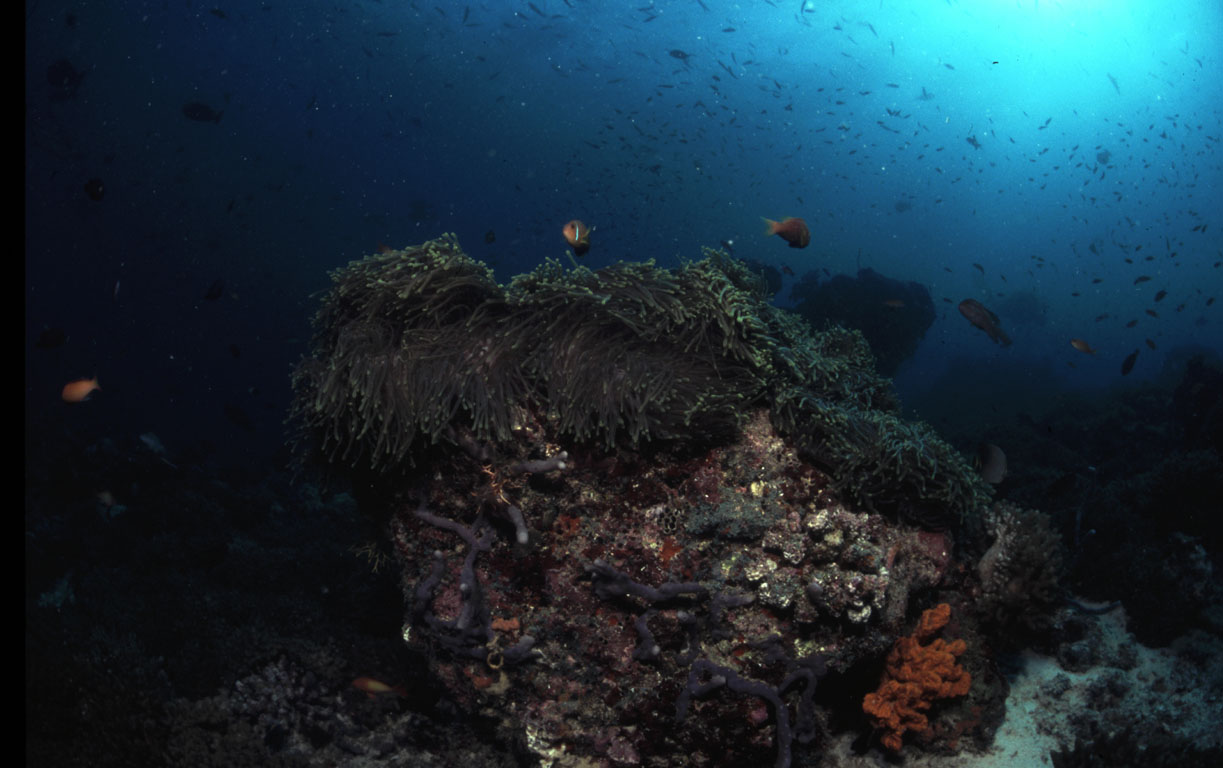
x: 666, y: 125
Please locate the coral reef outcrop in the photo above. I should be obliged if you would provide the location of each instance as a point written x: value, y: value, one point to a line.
x: 641, y: 514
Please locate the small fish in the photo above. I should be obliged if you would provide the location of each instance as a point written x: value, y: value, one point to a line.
x: 1127, y: 364
x: 215, y: 291
x: 1160, y: 296
x: 490, y: 237
x: 202, y: 113
x: 976, y: 313
x: 990, y: 461
x: 973, y: 141
x: 1151, y: 344
x: 95, y: 189
x: 978, y: 266
x: 375, y: 688
x: 793, y: 230
x: 1141, y: 279
x: 1131, y: 323
x: 1082, y: 346
x: 894, y: 303
x: 577, y: 235
x: 79, y: 391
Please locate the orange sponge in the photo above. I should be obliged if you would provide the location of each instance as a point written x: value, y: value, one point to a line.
x: 919, y: 671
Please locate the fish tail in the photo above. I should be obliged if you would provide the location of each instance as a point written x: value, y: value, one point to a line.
x: 770, y: 227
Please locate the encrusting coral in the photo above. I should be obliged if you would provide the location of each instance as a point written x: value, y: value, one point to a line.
x: 920, y: 670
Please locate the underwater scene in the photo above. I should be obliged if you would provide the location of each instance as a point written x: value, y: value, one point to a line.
x: 593, y: 384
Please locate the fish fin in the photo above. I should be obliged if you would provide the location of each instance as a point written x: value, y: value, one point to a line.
x: 770, y: 227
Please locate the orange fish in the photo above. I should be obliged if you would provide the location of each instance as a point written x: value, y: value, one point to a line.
x: 577, y: 235
x: 375, y: 688
x: 894, y: 303
x: 79, y: 390
x: 978, y: 315
x: 1082, y: 346
x: 793, y: 231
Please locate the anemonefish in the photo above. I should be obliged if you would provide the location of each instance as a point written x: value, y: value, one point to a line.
x: 375, y: 688
x: 793, y: 231
x: 577, y: 235
x: 79, y: 390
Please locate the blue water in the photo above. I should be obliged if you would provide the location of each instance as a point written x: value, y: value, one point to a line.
x: 665, y: 125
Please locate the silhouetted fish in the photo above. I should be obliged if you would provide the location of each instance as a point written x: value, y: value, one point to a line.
x: 1127, y: 364
x: 64, y: 80
x: 215, y: 291
x: 95, y: 189
x: 990, y: 461
x: 976, y: 313
x: 202, y: 113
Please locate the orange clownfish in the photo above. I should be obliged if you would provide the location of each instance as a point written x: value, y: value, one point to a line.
x: 79, y: 390
x: 375, y: 688
x: 793, y: 231
x: 577, y: 235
